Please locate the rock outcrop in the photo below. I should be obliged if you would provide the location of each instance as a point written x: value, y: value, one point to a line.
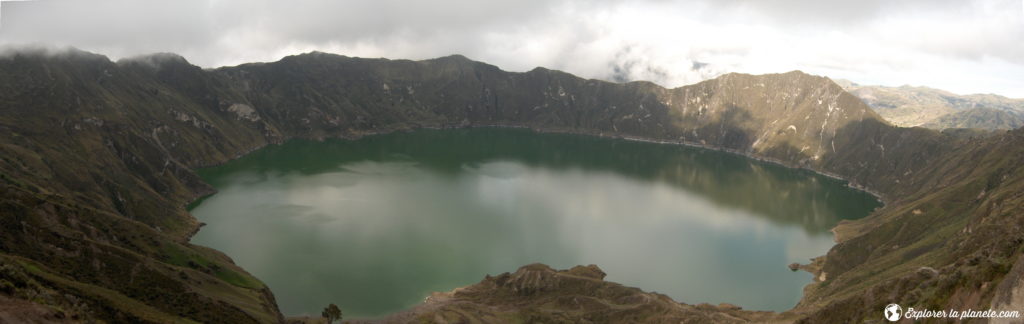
x: 98, y: 157
x: 538, y: 294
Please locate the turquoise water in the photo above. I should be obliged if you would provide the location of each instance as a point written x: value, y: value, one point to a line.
x: 375, y: 225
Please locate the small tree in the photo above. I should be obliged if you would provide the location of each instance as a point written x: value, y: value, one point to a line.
x: 331, y: 313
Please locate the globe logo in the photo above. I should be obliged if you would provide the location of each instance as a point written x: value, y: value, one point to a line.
x: 893, y: 312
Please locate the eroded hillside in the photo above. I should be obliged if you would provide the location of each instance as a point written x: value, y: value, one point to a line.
x: 98, y: 162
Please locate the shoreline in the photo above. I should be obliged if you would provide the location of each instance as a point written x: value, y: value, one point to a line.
x: 809, y: 267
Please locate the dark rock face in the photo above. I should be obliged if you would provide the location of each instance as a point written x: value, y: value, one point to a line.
x: 97, y: 162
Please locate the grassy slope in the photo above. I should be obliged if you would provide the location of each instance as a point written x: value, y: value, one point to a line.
x: 948, y: 246
x: 92, y: 194
x: 98, y: 158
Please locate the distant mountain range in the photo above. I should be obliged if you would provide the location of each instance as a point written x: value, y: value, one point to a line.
x: 938, y: 109
x: 97, y: 164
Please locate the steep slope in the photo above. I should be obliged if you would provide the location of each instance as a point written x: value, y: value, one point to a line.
x: 791, y: 118
x: 953, y: 244
x: 937, y: 109
x: 94, y: 192
x: 98, y: 158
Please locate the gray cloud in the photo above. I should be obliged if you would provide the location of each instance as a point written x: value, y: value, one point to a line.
x: 837, y: 12
x: 131, y: 25
x: 964, y: 46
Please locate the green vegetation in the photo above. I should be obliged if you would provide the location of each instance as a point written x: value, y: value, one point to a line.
x: 331, y: 313
x: 98, y: 160
x: 183, y: 257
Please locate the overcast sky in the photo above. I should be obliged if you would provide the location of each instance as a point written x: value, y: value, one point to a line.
x: 973, y: 46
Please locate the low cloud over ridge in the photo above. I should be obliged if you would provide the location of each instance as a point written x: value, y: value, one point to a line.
x: 962, y: 46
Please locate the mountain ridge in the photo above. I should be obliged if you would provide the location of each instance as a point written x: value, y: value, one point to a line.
x: 118, y: 142
x: 939, y: 109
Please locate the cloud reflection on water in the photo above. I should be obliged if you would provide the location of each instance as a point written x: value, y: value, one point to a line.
x: 374, y: 225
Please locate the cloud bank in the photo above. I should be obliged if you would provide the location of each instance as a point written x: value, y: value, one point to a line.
x: 972, y: 46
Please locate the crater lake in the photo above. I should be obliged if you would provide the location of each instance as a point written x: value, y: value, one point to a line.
x: 375, y: 225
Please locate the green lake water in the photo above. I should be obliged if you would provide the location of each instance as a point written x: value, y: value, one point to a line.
x: 374, y: 225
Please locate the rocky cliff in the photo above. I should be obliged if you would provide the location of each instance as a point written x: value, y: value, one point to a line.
x: 98, y: 160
